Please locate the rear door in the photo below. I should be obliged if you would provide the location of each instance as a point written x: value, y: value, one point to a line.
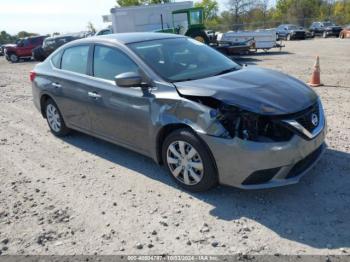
x: 118, y: 114
x: 70, y: 86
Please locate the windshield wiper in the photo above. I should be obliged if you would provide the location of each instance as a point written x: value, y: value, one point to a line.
x: 227, y: 71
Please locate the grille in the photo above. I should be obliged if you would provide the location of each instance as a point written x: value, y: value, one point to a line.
x: 305, y: 119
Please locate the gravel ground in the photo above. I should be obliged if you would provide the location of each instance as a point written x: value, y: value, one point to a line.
x: 80, y: 195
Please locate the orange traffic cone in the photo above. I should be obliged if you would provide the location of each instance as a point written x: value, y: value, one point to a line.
x: 315, y: 77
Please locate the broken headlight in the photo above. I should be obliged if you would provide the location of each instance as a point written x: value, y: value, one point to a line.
x: 251, y: 126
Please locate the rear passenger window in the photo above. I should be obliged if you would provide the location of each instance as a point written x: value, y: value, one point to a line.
x: 75, y: 59
x: 109, y: 62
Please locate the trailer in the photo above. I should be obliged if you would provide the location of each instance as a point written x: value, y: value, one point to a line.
x: 149, y: 18
x: 264, y: 39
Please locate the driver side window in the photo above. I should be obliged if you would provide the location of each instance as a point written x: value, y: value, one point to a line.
x: 109, y: 62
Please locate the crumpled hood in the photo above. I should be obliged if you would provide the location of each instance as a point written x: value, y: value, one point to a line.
x: 255, y: 89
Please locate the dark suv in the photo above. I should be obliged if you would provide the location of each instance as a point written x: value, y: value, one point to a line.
x: 289, y: 32
x: 51, y: 44
x: 325, y: 29
x: 23, y: 48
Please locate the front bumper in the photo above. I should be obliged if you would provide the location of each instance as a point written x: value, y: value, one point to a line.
x: 238, y: 160
x: 333, y: 32
x: 298, y: 35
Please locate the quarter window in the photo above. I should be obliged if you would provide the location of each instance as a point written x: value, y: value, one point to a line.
x: 109, y: 62
x: 56, y: 59
x: 75, y: 59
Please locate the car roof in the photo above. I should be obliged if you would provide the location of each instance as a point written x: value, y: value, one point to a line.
x: 127, y: 38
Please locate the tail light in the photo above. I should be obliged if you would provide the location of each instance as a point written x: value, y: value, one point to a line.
x: 32, y: 76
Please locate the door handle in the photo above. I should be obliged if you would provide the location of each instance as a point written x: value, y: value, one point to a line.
x: 56, y: 85
x: 94, y: 95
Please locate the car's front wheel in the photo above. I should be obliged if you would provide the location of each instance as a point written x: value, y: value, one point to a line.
x: 324, y: 34
x: 189, y: 161
x: 289, y: 37
x: 54, y: 119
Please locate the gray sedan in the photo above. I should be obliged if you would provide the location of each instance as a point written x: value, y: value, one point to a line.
x: 206, y: 118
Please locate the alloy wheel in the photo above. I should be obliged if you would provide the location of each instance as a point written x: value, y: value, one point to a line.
x: 53, y: 118
x: 185, y: 163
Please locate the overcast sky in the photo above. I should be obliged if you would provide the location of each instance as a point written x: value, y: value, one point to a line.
x: 47, y: 16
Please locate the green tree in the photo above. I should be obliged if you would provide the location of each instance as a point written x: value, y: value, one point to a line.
x: 239, y: 9
x: 6, y: 38
x: 23, y: 34
x: 128, y: 2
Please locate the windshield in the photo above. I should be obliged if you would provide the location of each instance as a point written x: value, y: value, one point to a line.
x: 292, y: 27
x: 182, y: 59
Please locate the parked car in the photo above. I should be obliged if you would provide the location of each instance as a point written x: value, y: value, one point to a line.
x: 186, y: 105
x: 50, y: 44
x: 23, y: 48
x: 290, y: 32
x: 345, y: 33
x: 325, y: 29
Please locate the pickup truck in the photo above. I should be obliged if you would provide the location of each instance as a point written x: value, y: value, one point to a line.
x: 23, y: 48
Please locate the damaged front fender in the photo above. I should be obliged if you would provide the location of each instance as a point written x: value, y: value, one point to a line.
x: 201, y: 118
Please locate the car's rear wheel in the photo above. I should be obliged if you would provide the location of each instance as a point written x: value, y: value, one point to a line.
x: 189, y: 161
x: 14, y: 58
x: 54, y: 119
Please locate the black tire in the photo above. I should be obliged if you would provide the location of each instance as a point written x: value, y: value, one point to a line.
x: 200, y: 36
x: 324, y: 35
x: 38, y: 54
x: 63, y: 129
x: 13, y: 58
x: 209, y: 177
x: 289, y: 37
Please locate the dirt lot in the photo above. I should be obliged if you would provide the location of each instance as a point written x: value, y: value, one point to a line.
x: 80, y: 195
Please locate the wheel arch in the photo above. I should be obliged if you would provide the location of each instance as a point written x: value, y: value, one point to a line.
x: 43, y: 98
x: 169, y: 128
x: 162, y: 134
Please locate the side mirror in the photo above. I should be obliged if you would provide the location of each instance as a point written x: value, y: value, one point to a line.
x: 128, y: 79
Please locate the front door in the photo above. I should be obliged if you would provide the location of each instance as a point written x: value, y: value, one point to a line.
x: 118, y: 114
